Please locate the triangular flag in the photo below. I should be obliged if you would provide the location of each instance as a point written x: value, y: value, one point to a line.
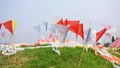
x: 0, y: 26
x: 8, y: 26
x: 81, y: 31
x: 100, y: 33
x: 14, y: 25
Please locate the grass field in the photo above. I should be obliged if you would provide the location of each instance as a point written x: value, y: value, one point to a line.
x: 46, y: 58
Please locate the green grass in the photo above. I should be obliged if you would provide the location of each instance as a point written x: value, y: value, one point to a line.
x: 46, y: 58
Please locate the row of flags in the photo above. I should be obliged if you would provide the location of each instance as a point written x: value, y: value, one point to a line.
x: 60, y: 30
x: 77, y: 27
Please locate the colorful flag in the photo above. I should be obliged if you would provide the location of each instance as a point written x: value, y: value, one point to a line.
x: 8, y: 26
x: 100, y: 33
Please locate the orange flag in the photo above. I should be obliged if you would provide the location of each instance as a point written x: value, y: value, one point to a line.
x: 0, y: 26
x: 81, y: 31
x: 100, y: 33
x: 8, y: 26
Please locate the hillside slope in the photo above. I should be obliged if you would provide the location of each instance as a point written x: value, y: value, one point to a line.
x: 46, y: 58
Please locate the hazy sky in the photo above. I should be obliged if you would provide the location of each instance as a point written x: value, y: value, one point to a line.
x: 28, y: 13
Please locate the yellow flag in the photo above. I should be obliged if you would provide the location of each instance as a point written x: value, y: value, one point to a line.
x: 14, y: 25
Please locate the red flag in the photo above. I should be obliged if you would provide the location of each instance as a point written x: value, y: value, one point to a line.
x: 60, y: 22
x: 8, y: 26
x: 100, y: 33
x: 74, y: 27
x: 81, y: 31
x: 0, y: 26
